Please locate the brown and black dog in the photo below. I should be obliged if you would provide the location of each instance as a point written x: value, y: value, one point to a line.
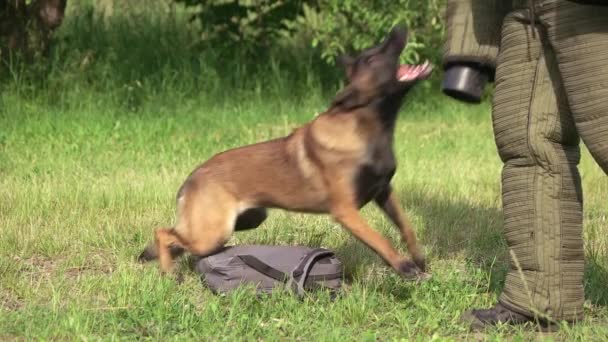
x: 335, y: 164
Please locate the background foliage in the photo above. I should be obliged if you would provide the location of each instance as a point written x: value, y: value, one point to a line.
x: 241, y: 31
x: 334, y: 26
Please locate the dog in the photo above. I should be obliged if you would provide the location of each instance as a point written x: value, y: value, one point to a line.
x: 335, y: 164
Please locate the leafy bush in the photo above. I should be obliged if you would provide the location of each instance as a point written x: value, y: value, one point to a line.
x: 252, y: 24
x: 337, y: 26
x: 333, y: 26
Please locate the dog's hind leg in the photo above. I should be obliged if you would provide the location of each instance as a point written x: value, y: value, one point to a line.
x: 206, y: 221
x: 389, y: 204
x: 165, y: 240
x: 197, y: 244
x: 197, y: 241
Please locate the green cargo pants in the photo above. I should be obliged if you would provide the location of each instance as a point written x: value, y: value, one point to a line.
x: 551, y: 89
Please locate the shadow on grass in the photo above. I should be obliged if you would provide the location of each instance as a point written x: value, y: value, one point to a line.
x: 459, y: 226
x: 452, y: 226
x: 455, y: 226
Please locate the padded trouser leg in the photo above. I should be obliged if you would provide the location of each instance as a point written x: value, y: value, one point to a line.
x: 579, y: 36
x: 541, y: 187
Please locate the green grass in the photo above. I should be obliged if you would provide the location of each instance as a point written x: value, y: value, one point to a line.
x: 91, y: 159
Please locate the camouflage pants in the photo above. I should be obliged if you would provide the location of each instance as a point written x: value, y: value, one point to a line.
x: 551, y: 91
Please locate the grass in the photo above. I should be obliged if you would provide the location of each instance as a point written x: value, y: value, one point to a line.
x: 91, y: 158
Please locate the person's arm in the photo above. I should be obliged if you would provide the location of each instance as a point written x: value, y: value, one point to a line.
x: 471, y: 46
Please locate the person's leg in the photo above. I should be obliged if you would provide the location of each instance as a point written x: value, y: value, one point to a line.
x: 579, y: 36
x: 541, y: 186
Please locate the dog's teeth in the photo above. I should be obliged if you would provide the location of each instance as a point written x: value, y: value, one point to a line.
x: 427, y: 66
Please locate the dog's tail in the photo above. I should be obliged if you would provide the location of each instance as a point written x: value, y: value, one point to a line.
x: 151, y: 252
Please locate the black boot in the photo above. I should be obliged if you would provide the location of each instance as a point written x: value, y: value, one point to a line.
x: 479, y: 319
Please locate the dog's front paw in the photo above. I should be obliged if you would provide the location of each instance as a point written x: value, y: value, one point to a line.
x: 420, y: 261
x: 409, y: 270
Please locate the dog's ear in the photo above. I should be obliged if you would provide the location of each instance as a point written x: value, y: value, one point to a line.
x: 348, y: 63
x: 350, y: 97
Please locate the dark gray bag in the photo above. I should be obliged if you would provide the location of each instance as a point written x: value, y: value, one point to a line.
x: 268, y: 267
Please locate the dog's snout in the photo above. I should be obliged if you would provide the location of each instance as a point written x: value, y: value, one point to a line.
x: 399, y: 32
x: 398, y: 38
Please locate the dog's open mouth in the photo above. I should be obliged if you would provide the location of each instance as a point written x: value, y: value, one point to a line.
x: 408, y: 72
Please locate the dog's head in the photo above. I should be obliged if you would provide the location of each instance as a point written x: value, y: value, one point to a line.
x: 376, y: 73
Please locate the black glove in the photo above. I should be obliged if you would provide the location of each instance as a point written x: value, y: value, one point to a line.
x: 465, y: 82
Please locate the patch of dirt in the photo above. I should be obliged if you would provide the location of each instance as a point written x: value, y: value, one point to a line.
x: 12, y: 338
x: 37, y: 266
x: 38, y: 271
x: 94, y: 263
x: 41, y: 267
x: 10, y: 301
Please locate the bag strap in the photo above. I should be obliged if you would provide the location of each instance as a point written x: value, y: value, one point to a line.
x: 303, y: 269
x: 300, y: 272
x: 325, y: 277
x: 263, y: 268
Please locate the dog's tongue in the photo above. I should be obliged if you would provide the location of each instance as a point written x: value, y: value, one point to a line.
x: 407, y: 72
